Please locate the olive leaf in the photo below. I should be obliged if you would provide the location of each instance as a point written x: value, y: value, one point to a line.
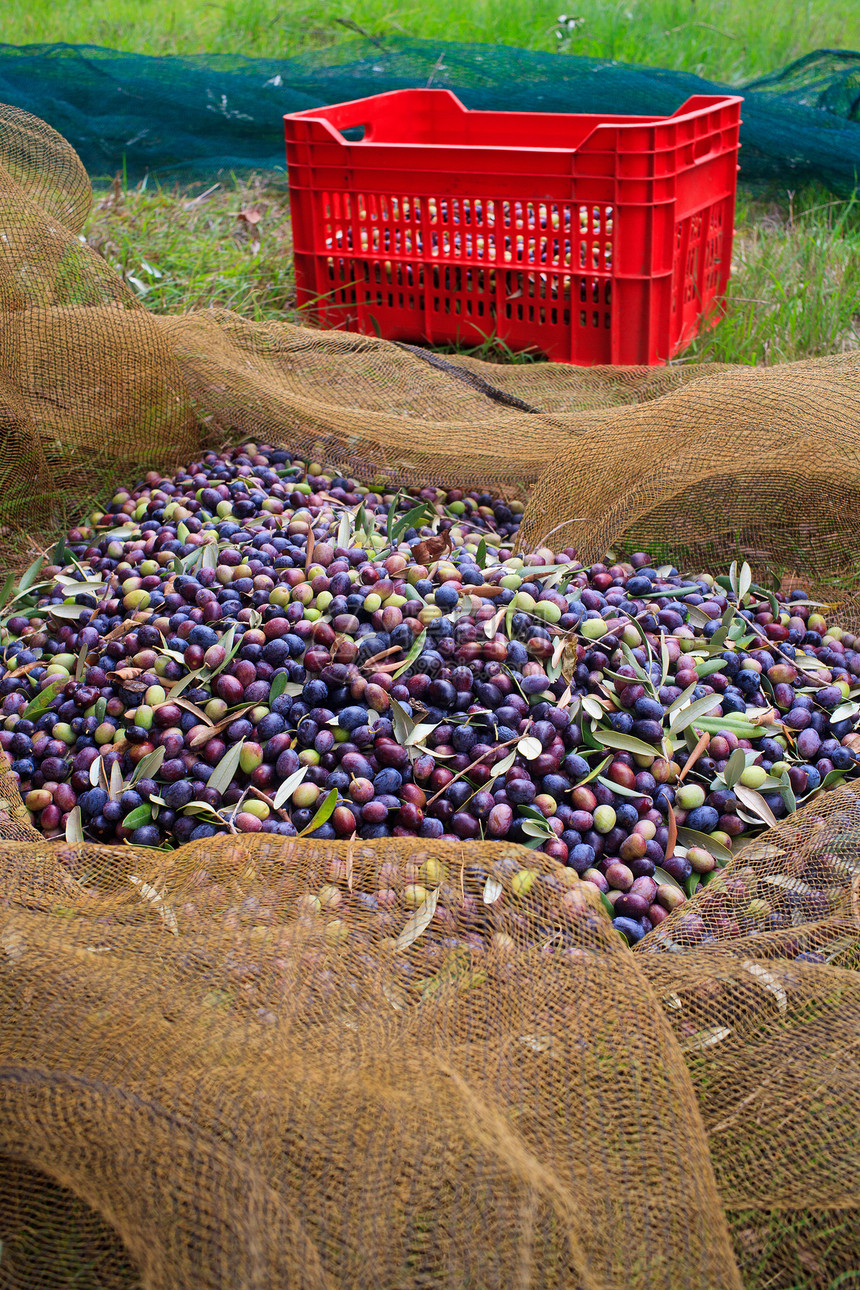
x: 532, y: 829
x: 708, y: 666
x: 688, y: 590
x: 156, y: 898
x: 616, y: 677
x: 137, y: 817
x: 188, y: 706
x: 706, y: 1038
x: 594, y: 709
x: 687, y: 716
x: 787, y: 793
x: 199, y: 673
x: 147, y: 767
x: 390, y: 517
x: 417, y: 647
x: 421, y: 516
x: 642, y: 675
x: 494, y: 623
x: 589, y: 740
x: 503, y: 766
x: 7, y: 588
x: 735, y: 767
x: 666, y: 879
x: 70, y: 612
x: 43, y: 700
x: 624, y: 743
x: 344, y: 531
x: 418, y: 920
x: 215, y: 728
x: 125, y: 532
x: 694, y: 838
x: 81, y: 664
x: 116, y: 782
x: 401, y: 721
x: 682, y: 698
x: 732, y: 722
x: 420, y: 733
x: 363, y: 520
x: 231, y: 645
x: 281, y: 684
x: 204, y: 809
x: 532, y: 813
x: 535, y: 570
x: 594, y: 772
x: 554, y: 669
x: 189, y: 562
x: 509, y: 618
x: 74, y: 827
x: 665, y: 661
x: 529, y: 747
x: 621, y: 789
x: 744, y: 582
x: 493, y: 889
x: 60, y: 552
x: 770, y: 597
x: 323, y: 813
x: 222, y: 776
x: 695, y: 617
x: 832, y: 778
x: 718, y: 640
x: 754, y: 802
x: 30, y: 575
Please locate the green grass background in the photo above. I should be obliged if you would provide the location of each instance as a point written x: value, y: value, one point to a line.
x: 725, y: 39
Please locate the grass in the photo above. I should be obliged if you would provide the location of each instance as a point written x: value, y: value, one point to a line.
x: 795, y: 284
x: 731, y: 40
x: 227, y: 246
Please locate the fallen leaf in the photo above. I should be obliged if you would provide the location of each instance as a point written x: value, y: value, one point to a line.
x: 431, y: 548
x: 418, y: 921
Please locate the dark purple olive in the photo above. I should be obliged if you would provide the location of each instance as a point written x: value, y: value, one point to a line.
x: 631, y: 929
x: 631, y: 905
x: 677, y: 867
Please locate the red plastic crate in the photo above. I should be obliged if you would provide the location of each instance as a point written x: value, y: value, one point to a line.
x: 591, y: 239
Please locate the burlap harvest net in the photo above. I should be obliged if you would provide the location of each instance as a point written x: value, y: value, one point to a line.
x: 203, y: 1085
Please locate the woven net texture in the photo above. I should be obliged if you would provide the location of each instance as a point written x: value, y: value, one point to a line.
x: 209, y: 1079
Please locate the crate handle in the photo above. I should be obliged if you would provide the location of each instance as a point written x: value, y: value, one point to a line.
x: 348, y: 120
x: 704, y: 149
x: 355, y: 133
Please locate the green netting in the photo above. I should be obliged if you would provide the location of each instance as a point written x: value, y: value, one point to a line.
x: 193, y: 118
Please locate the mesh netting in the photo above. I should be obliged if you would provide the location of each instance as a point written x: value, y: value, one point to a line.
x: 217, y: 114
x: 259, y: 1061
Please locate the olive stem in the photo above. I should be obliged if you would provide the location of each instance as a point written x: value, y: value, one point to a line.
x: 475, y: 763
